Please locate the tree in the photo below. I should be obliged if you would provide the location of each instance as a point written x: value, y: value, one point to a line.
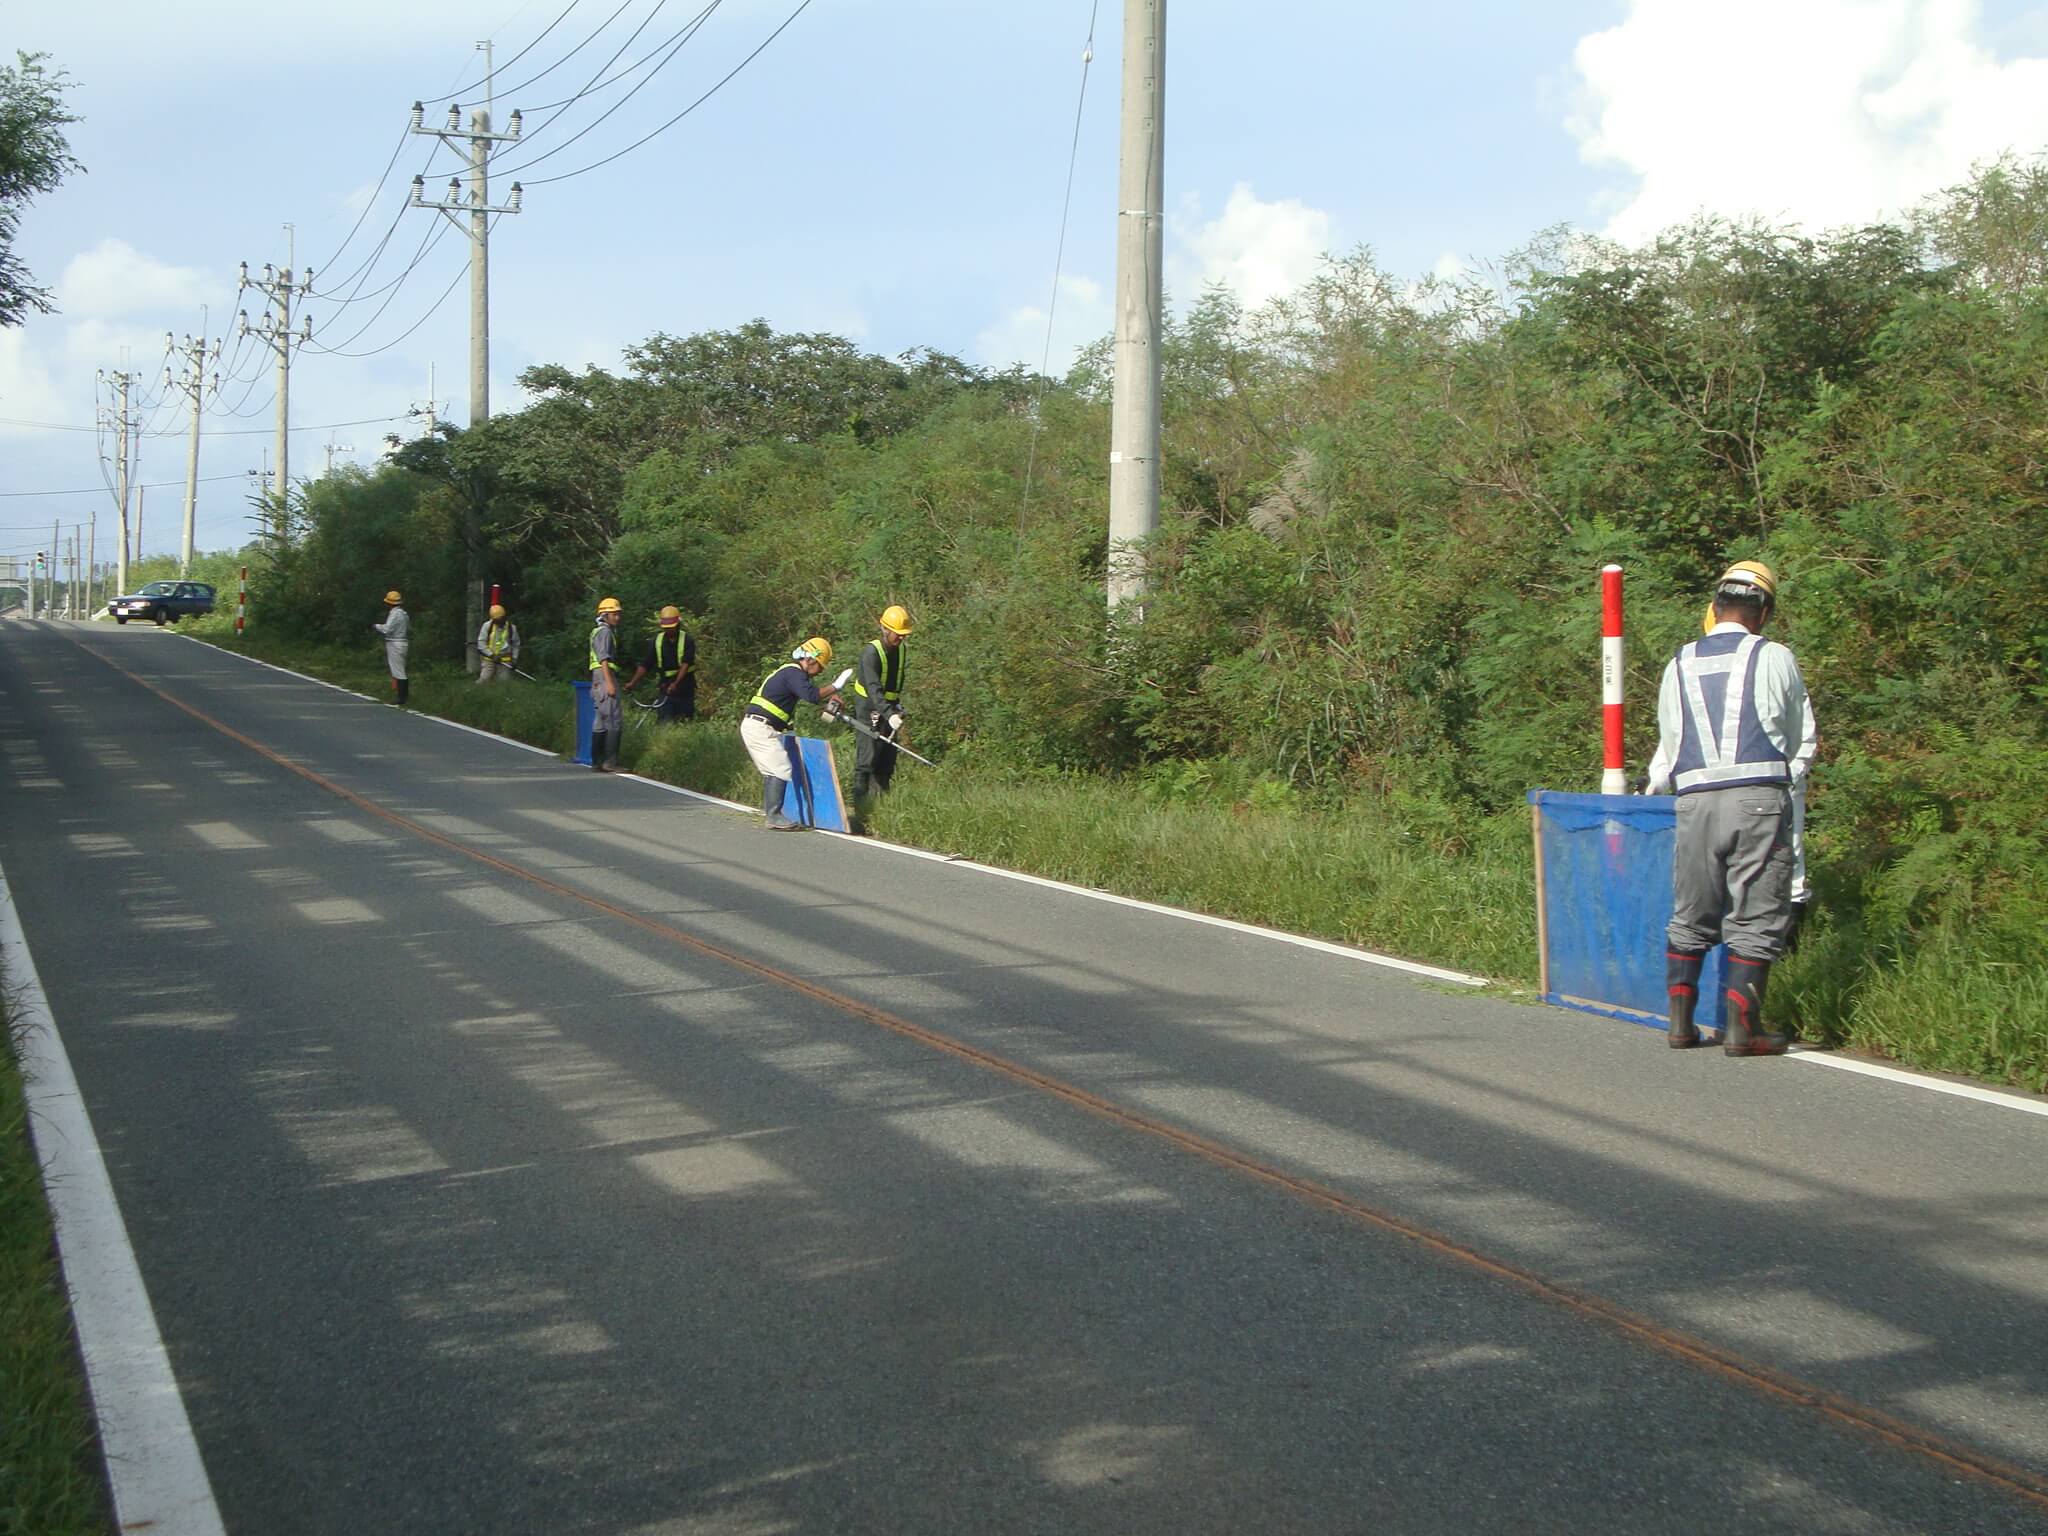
x: 34, y: 157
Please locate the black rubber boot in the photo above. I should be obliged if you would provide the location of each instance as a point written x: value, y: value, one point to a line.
x: 404, y: 691
x: 1746, y: 1035
x: 598, y: 740
x: 1682, y: 984
x: 773, y: 791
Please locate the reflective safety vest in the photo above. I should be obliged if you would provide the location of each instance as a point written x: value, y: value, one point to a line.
x: 892, y: 671
x: 761, y: 702
x: 595, y: 660
x: 668, y: 654
x: 1722, y: 741
x: 498, y: 638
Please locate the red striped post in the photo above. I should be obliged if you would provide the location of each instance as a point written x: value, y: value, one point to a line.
x: 1614, y: 773
x: 242, y: 602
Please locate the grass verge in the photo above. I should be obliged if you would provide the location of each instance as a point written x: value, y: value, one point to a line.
x: 49, y: 1450
x: 1456, y: 893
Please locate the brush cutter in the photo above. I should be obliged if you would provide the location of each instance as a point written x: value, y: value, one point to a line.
x: 845, y: 718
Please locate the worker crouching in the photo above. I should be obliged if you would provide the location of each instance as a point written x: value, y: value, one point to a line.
x: 770, y: 714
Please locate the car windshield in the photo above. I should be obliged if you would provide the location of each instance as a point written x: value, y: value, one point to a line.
x: 159, y: 589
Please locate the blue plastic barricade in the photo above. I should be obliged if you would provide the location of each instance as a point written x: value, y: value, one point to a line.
x: 586, y: 716
x: 1603, y: 896
x: 815, y: 788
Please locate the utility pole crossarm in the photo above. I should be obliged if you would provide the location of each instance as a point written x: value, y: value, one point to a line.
x: 280, y: 290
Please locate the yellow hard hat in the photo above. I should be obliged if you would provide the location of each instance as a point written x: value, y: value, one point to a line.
x: 392, y: 596
x: 896, y: 619
x: 607, y: 605
x: 1708, y: 621
x: 817, y: 648
x: 671, y: 616
x: 497, y: 610
x: 1750, y: 576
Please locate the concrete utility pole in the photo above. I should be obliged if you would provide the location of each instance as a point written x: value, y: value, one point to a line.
x: 197, y: 357
x: 1141, y: 203
x: 92, y: 570
x: 121, y: 382
x: 275, y: 331
x: 479, y: 208
x: 331, y: 448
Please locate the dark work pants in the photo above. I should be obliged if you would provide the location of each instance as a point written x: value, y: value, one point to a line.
x: 874, y: 765
x: 1731, y: 871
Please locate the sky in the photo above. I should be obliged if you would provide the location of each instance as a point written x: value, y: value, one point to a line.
x: 891, y: 171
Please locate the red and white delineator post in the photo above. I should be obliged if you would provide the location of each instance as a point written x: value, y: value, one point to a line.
x: 242, y: 602
x: 1613, y: 773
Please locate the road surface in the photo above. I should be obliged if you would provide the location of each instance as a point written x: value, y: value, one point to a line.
x: 511, y: 1148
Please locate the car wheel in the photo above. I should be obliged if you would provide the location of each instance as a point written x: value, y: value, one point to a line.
x: 120, y: 618
x: 163, y: 617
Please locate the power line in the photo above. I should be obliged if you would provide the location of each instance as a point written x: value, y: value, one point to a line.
x: 693, y: 106
x: 470, y: 90
x: 101, y: 490
x: 394, y: 341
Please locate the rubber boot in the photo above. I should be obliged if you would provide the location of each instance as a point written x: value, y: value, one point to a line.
x: 1799, y: 910
x: 404, y: 692
x: 1746, y: 1035
x: 1682, y: 984
x: 598, y: 742
x: 772, y: 793
x: 612, y: 742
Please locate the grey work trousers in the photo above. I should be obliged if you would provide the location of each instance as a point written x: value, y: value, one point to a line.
x: 1731, y: 871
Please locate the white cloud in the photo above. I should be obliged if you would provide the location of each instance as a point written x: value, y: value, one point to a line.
x: 114, y: 279
x: 1820, y: 113
x: 1082, y: 316
x: 1258, y: 249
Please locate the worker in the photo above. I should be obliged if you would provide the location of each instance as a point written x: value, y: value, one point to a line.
x: 1735, y: 740
x: 671, y: 656
x: 771, y: 712
x: 879, y: 687
x: 497, y: 647
x: 607, y: 722
x: 395, y: 629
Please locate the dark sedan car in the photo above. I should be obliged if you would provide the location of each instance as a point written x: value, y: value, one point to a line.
x: 164, y: 601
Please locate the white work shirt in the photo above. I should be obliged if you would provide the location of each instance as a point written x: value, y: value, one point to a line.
x: 1782, y: 708
x: 394, y: 627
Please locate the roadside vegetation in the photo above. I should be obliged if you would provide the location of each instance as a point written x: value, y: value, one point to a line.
x: 49, y: 1451
x: 1374, y: 623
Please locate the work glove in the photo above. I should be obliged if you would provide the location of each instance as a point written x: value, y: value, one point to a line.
x: 895, y: 721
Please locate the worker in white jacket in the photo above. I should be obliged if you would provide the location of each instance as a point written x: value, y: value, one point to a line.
x: 395, y: 629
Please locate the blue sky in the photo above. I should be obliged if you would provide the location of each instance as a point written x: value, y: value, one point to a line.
x: 892, y: 170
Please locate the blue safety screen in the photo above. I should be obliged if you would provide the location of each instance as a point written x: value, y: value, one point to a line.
x: 1604, y: 883
x: 816, y: 786
x: 586, y: 717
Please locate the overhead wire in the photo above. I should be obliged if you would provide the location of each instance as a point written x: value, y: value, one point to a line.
x: 590, y: 84
x: 693, y: 106
x: 469, y: 90
x: 673, y: 47
x: 1059, y: 258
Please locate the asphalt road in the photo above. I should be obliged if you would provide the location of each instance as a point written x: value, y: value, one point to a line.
x: 508, y: 1148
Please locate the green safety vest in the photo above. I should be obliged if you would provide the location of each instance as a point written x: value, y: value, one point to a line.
x: 773, y: 711
x: 498, y: 638
x: 669, y: 664
x: 892, y: 672
x: 595, y: 663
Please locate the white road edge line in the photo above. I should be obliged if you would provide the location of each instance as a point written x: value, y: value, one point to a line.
x: 1916, y: 1080
x: 1434, y: 973
x: 153, y: 1463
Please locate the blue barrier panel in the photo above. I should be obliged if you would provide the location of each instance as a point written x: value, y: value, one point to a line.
x: 1603, y: 896
x: 586, y: 715
x: 816, y: 786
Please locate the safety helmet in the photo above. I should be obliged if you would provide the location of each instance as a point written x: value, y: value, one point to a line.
x: 896, y: 619
x: 817, y: 649
x: 671, y: 616
x: 392, y: 596
x: 607, y: 605
x: 1749, y: 578
x: 497, y: 610
x: 1708, y: 621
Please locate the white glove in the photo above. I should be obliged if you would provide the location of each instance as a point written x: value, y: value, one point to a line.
x: 895, y: 721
